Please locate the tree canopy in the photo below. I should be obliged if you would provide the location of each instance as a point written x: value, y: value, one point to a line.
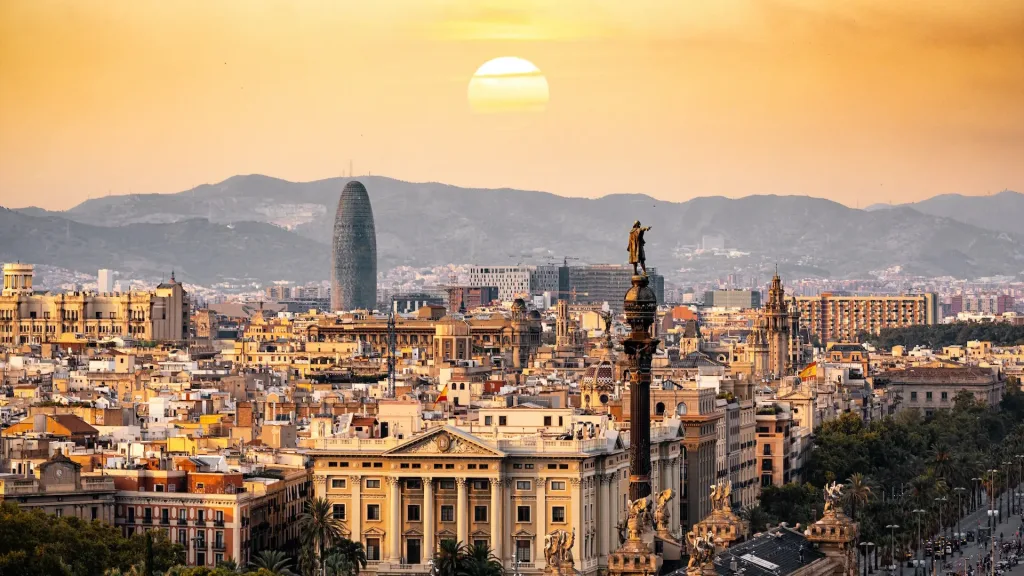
x: 939, y: 335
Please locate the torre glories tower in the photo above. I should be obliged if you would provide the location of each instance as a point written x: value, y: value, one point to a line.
x: 354, y: 262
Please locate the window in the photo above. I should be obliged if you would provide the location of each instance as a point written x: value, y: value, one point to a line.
x: 767, y: 449
x: 528, y: 466
x: 547, y: 420
x: 557, y: 485
x: 502, y: 420
x: 373, y: 549
x: 523, y: 551
x: 471, y: 466
x: 373, y: 511
x: 523, y: 514
x: 412, y: 513
x: 447, y: 484
x: 414, y: 484
x: 523, y: 485
x: 479, y: 484
x: 200, y: 515
x: 95, y: 512
x: 558, y: 514
x: 58, y: 512
x: 913, y: 396
x: 218, y: 516
x: 158, y: 488
x: 447, y: 513
x: 373, y: 484
x: 199, y: 486
x: 552, y: 466
x: 338, y: 483
x: 480, y: 513
x: 563, y: 466
x: 480, y: 544
x: 945, y: 396
x: 928, y: 396
x: 517, y: 466
x: 488, y: 420
x: 339, y: 511
x: 182, y: 538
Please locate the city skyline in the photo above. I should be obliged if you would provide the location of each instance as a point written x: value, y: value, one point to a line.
x: 867, y: 103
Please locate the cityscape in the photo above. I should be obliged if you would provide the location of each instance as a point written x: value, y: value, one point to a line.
x: 366, y: 375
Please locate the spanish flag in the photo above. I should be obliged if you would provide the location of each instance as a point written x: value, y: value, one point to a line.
x: 444, y: 394
x: 811, y: 371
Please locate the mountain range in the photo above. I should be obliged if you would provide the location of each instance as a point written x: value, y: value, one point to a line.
x: 263, y: 229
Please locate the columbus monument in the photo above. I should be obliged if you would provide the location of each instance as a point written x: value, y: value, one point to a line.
x: 354, y: 261
x: 636, y: 556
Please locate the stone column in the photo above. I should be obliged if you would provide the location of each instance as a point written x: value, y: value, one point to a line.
x: 576, y: 517
x: 540, y: 517
x: 356, y: 509
x: 508, y: 517
x: 497, y: 534
x: 429, y: 525
x: 395, y: 536
x: 604, y: 516
x: 674, y: 475
x: 462, y: 512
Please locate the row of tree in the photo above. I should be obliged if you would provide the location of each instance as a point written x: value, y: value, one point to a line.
x: 36, y: 544
x: 906, y: 469
x: 939, y: 335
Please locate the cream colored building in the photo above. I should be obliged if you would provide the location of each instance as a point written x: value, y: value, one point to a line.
x: 499, y: 482
x: 29, y: 317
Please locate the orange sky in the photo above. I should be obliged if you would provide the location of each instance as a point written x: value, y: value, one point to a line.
x: 864, y: 101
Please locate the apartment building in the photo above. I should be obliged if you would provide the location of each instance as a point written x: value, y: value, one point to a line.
x: 833, y: 318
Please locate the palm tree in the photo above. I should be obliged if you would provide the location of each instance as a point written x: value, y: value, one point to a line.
x: 230, y: 564
x: 448, y: 559
x: 480, y: 561
x: 274, y: 561
x: 756, y: 517
x: 320, y: 529
x: 351, y: 552
x: 336, y: 564
x: 858, y: 491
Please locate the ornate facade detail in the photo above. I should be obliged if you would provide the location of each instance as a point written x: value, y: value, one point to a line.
x: 461, y: 481
x: 558, y: 551
x: 702, y: 552
x: 392, y: 480
x: 320, y: 479
x: 663, y: 513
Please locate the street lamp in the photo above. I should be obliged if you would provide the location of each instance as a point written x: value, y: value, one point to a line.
x: 892, y: 542
x: 991, y: 494
x: 919, y: 512
x: 959, y: 509
x: 941, y: 502
x: 866, y: 547
x: 1008, y: 464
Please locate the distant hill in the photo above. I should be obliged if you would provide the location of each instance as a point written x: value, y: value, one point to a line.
x: 197, y: 250
x: 1003, y: 212
x: 424, y: 224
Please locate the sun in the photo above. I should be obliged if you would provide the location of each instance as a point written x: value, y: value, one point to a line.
x: 508, y: 84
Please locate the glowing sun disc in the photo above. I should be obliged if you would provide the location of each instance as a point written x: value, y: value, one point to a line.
x: 508, y: 84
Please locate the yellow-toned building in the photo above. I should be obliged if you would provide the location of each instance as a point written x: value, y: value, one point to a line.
x: 29, y: 317
x: 492, y: 484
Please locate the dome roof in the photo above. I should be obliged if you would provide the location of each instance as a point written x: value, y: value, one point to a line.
x: 534, y: 315
x: 599, y: 375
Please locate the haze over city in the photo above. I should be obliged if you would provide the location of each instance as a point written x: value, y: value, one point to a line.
x: 861, y: 102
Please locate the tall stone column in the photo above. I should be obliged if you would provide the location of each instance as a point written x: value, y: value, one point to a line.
x: 497, y: 534
x: 356, y: 509
x: 641, y: 306
x: 576, y: 517
x: 508, y: 518
x: 429, y: 525
x: 604, y: 516
x: 395, y: 533
x: 540, y: 517
x: 462, y: 512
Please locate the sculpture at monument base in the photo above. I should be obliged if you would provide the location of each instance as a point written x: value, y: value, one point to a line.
x: 662, y: 513
x: 558, y: 552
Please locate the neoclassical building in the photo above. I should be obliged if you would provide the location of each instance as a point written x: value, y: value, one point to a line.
x: 505, y: 482
x: 30, y: 317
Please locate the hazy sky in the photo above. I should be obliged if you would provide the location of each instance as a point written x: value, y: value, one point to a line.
x: 860, y: 101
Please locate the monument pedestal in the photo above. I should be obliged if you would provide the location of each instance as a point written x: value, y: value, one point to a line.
x: 634, y: 558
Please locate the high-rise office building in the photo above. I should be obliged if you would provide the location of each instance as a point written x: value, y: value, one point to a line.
x: 733, y: 298
x: 354, y: 274
x: 105, y: 281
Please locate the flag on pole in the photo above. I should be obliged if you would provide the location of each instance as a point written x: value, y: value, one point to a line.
x: 444, y: 394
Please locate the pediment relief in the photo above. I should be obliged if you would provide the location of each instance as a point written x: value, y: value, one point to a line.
x: 373, y: 532
x: 443, y: 442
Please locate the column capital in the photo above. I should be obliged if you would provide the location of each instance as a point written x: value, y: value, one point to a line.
x: 392, y: 480
x: 320, y: 479
x: 575, y: 482
x: 507, y: 482
x: 427, y: 480
x: 461, y: 481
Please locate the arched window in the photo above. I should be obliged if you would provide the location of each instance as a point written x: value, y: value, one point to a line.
x: 681, y: 409
x: 659, y: 409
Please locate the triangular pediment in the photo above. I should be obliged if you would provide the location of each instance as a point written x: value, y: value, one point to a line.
x: 480, y: 533
x: 445, y: 441
x: 523, y: 534
x: 373, y: 532
x: 413, y: 532
x: 446, y: 533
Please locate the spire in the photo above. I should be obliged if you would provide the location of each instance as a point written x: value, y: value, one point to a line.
x: 172, y: 276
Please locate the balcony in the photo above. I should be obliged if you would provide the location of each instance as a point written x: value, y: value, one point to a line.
x: 199, y: 545
x: 218, y: 547
x: 200, y: 522
x: 219, y: 523
x: 165, y: 521
x: 182, y: 521
x: 147, y: 519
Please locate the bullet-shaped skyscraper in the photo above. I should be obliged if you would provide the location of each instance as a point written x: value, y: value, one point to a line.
x: 354, y: 271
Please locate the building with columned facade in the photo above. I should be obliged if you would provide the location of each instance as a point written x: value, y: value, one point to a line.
x: 506, y: 481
